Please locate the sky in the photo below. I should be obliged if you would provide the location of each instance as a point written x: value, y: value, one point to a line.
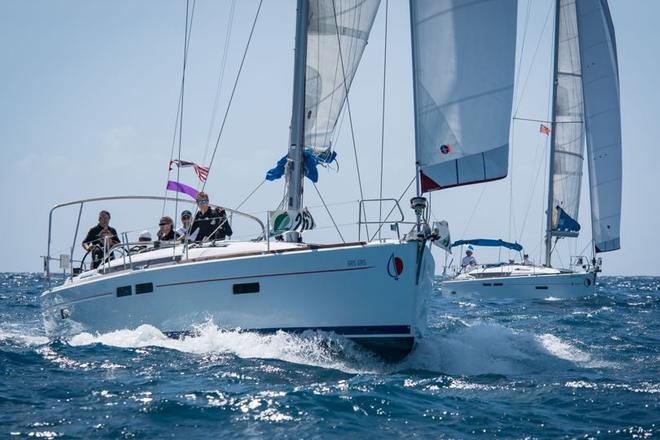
x: 88, y: 103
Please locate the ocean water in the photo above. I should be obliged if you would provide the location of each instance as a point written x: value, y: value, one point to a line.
x: 577, y: 368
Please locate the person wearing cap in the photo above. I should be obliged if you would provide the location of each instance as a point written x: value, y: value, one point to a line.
x: 468, y: 259
x: 526, y: 261
x: 166, y: 230
x: 186, y: 226
x: 100, y: 239
x: 210, y: 223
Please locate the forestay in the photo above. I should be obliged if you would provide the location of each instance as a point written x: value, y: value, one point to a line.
x: 603, y: 117
x: 337, y: 34
x: 463, y: 73
x: 568, y: 136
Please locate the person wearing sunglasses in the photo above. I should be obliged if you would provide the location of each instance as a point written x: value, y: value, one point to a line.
x: 100, y: 239
x: 210, y: 223
x: 166, y: 231
x: 186, y: 226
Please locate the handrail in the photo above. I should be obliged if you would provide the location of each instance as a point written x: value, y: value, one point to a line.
x: 128, y: 197
x: 380, y: 223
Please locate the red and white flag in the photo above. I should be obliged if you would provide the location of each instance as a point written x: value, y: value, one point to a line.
x: 201, y: 171
x: 544, y: 129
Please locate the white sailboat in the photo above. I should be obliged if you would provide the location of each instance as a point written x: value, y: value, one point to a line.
x: 585, y: 107
x: 373, y: 292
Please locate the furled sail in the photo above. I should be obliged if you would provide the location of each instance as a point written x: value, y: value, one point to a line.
x: 337, y: 34
x: 568, y: 136
x: 463, y: 73
x: 600, y: 75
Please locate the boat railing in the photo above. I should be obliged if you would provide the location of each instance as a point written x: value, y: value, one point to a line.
x: 394, y: 223
x: 67, y: 260
x: 585, y: 263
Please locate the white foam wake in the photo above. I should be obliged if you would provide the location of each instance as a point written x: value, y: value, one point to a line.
x: 475, y: 349
x: 310, y: 348
x: 485, y: 348
x: 20, y: 337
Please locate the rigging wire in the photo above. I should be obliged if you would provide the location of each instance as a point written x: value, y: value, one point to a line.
x: 179, y: 104
x: 189, y: 20
x: 221, y: 77
x: 474, y: 210
x: 522, y: 46
x: 328, y: 211
x: 382, y: 125
x: 250, y: 195
x: 350, y: 117
x: 233, y: 90
x: 513, y: 128
x: 538, y: 44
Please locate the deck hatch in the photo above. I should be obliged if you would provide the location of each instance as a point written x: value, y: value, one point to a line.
x: 144, y: 288
x: 246, y: 288
x: 124, y: 291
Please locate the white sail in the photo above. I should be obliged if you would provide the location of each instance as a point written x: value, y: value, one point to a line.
x: 568, y: 136
x: 463, y: 72
x: 603, y: 116
x: 337, y: 34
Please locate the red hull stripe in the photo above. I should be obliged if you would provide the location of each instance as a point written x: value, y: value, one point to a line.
x: 267, y: 275
x: 429, y: 184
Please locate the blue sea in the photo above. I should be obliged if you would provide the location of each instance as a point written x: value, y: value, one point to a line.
x: 575, y: 368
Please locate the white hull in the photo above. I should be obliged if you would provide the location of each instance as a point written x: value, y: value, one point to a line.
x: 533, y: 285
x: 351, y: 290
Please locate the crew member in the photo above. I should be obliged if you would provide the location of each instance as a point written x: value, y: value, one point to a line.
x: 210, y: 223
x: 468, y: 260
x: 100, y: 239
x: 186, y: 229
x: 166, y: 231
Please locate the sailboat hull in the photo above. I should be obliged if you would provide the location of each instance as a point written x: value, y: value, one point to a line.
x: 370, y: 293
x: 531, y: 285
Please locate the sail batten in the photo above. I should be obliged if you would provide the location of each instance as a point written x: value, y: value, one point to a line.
x: 463, y: 70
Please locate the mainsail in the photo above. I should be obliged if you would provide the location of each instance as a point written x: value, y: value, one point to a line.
x: 601, y: 97
x: 463, y: 73
x: 568, y: 135
x: 337, y: 34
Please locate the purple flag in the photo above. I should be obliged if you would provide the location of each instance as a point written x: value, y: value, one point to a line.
x: 180, y: 187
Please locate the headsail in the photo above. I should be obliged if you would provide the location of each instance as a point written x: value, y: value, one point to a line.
x: 601, y: 98
x: 337, y: 34
x: 463, y: 72
x: 568, y: 136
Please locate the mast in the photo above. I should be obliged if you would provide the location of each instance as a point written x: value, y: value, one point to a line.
x: 418, y: 188
x: 294, y: 170
x: 553, y: 126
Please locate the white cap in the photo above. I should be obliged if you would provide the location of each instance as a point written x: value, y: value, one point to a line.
x: 145, y: 236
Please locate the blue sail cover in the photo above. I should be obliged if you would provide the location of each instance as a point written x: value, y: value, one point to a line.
x: 310, y: 159
x: 489, y: 242
x: 566, y: 224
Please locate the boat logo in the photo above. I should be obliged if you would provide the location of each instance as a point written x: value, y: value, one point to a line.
x: 445, y: 149
x: 394, y: 267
